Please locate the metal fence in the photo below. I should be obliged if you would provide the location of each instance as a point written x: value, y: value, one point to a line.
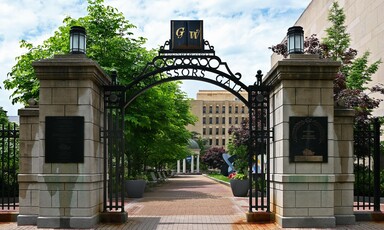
x: 9, y: 166
x: 367, y: 166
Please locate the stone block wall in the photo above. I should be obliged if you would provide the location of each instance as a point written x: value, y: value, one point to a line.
x: 67, y: 195
x: 29, y: 163
x: 303, y: 193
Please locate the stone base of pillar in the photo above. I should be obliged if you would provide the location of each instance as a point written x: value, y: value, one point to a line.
x: 260, y: 217
x: 306, y: 222
x: 67, y: 222
x: 113, y: 217
x: 345, y: 219
x: 26, y: 220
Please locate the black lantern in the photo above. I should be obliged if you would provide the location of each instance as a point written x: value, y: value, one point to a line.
x: 295, y: 38
x: 77, y: 40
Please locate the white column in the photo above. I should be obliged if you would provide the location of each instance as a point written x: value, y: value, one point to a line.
x: 184, y: 166
x: 178, y: 166
x: 192, y: 163
x: 198, y: 163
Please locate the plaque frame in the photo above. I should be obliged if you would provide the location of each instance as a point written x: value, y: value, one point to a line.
x: 64, y: 139
x: 308, y: 139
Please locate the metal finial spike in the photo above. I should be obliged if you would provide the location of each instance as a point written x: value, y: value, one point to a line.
x: 259, y: 76
x: 114, y: 77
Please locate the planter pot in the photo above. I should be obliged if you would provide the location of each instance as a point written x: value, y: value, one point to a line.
x: 135, y: 188
x: 239, y: 187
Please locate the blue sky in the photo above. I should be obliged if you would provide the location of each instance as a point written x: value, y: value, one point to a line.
x: 241, y: 31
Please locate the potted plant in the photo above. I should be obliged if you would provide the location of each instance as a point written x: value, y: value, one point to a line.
x: 239, y: 179
x: 238, y: 146
x: 135, y: 186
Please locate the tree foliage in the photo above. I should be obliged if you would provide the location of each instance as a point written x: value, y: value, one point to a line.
x: 213, y: 157
x: 351, y: 87
x: 155, y: 130
x: 239, y: 146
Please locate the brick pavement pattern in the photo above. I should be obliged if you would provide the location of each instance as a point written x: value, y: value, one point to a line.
x: 189, y: 202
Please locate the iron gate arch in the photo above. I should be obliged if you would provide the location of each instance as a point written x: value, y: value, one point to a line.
x: 172, y: 66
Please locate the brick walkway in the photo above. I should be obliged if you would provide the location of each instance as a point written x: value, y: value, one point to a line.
x: 189, y: 202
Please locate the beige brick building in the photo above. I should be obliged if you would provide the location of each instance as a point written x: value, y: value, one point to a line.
x: 217, y: 111
x: 365, y: 24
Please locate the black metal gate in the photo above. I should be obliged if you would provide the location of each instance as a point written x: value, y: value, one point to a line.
x: 9, y: 166
x: 260, y: 136
x: 367, y: 166
x: 172, y: 66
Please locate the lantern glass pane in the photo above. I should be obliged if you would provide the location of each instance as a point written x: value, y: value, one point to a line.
x: 82, y: 41
x: 76, y: 42
x: 291, y: 43
x: 297, y: 42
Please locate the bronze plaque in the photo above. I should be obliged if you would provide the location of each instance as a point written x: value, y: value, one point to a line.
x: 308, y: 139
x: 64, y: 139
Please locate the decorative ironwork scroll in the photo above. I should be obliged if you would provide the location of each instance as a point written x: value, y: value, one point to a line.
x: 171, y: 66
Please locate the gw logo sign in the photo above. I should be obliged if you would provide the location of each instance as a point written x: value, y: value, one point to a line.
x: 187, y: 35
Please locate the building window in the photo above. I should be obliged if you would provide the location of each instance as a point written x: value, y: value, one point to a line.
x: 210, y: 131
x: 223, y: 131
x: 210, y: 141
x: 223, y: 120
x: 236, y: 109
x: 230, y: 109
x: 210, y: 109
x: 204, y: 120
x: 242, y: 119
x: 217, y: 120
x: 223, y: 109
x: 217, y: 141
x: 203, y: 131
x: 236, y: 120
x: 217, y: 109
x: 243, y: 109
x: 210, y: 120
x: 230, y: 120
x: 217, y: 131
x: 204, y: 109
x: 223, y: 141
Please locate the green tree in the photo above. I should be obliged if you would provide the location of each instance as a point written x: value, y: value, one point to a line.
x: 351, y: 87
x: 3, y: 116
x: 111, y: 43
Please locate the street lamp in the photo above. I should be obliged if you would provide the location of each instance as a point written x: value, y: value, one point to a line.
x: 77, y: 40
x: 295, y: 38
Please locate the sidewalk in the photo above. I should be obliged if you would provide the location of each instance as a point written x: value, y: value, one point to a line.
x: 189, y: 202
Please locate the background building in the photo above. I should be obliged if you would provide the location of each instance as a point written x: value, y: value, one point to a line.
x: 217, y: 111
x: 365, y: 24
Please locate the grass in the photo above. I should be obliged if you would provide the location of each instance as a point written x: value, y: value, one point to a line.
x: 219, y: 177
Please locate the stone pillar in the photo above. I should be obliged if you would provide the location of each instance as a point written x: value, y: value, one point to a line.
x: 184, y: 165
x: 178, y: 166
x: 29, y: 164
x: 344, y: 176
x: 302, y: 192
x: 68, y: 195
x: 192, y: 163
x: 198, y: 163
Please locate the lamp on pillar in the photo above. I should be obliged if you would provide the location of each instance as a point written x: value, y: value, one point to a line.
x: 77, y: 40
x: 295, y: 37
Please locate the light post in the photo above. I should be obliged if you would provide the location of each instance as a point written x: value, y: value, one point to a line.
x: 295, y: 37
x: 77, y: 40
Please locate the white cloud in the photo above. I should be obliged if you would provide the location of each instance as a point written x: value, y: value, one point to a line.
x: 240, y: 31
